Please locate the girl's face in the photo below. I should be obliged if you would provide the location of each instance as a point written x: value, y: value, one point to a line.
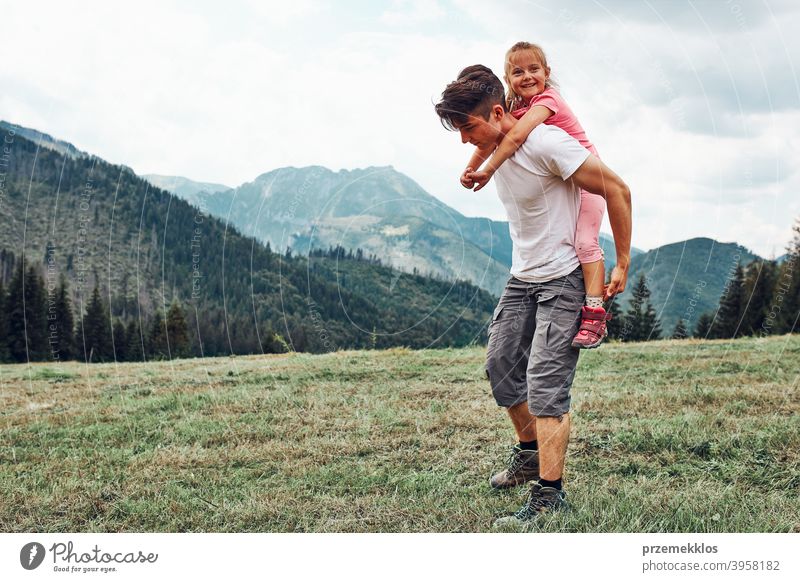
x: 526, y: 75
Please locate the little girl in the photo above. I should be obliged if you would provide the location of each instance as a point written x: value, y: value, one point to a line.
x: 533, y: 100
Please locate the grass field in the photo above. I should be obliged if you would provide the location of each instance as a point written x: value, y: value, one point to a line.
x: 669, y: 436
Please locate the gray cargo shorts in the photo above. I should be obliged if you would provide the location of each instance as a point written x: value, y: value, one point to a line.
x: 530, y: 355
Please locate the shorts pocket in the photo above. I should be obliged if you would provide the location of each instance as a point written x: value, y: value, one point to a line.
x: 495, y: 317
x: 575, y: 280
x: 563, y: 301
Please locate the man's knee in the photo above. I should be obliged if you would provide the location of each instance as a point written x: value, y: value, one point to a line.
x: 549, y: 402
x: 502, y: 377
x: 496, y: 372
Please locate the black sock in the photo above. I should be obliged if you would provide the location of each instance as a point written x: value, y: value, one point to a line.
x: 529, y: 445
x: 554, y: 484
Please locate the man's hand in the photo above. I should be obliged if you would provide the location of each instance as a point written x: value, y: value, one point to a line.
x: 480, y: 178
x: 466, y: 181
x: 597, y: 178
x: 619, y: 277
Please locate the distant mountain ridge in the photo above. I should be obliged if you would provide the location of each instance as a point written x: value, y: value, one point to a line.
x: 43, y: 140
x: 387, y: 214
x: 391, y: 217
x: 184, y: 187
x: 687, y: 278
x: 377, y: 209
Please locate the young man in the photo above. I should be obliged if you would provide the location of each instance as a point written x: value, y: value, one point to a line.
x: 530, y: 361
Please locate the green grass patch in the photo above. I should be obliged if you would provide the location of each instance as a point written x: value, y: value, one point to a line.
x: 669, y: 436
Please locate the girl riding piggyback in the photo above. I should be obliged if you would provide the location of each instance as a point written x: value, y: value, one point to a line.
x: 532, y: 99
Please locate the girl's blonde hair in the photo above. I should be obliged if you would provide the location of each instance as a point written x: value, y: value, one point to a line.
x: 514, y: 101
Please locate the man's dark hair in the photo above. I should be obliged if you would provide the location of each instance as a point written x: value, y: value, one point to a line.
x: 475, y: 92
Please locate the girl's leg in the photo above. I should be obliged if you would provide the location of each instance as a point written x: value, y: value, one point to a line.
x: 587, y: 245
x: 594, y: 275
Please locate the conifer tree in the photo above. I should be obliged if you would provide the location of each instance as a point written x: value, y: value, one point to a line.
x: 680, y: 330
x: 63, y: 336
x: 651, y: 322
x: 134, y: 341
x: 787, y: 288
x: 97, y: 330
x: 35, y: 315
x: 15, y: 323
x: 24, y: 312
x: 704, y: 324
x: 3, y: 324
x: 120, y: 341
x: 616, y: 323
x: 759, y: 286
x: 177, y: 332
x: 157, y: 347
x: 731, y: 307
x: 641, y: 321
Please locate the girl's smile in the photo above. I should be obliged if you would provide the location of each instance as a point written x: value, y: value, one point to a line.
x: 526, y: 74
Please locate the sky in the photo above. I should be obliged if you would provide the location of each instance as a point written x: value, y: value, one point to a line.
x: 696, y: 104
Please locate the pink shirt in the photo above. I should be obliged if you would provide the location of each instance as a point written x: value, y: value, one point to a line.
x: 562, y: 117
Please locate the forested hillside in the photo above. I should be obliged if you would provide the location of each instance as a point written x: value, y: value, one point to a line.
x: 147, y: 251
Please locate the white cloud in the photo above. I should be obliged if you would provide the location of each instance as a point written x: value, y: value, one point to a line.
x: 409, y: 12
x: 285, y: 13
x: 691, y: 112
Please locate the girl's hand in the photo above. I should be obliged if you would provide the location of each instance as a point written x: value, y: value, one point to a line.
x: 480, y: 179
x: 466, y: 181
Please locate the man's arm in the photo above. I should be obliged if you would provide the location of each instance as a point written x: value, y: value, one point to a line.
x: 511, y: 143
x: 595, y: 177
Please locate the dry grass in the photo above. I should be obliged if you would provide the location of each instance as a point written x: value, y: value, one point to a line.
x: 667, y: 436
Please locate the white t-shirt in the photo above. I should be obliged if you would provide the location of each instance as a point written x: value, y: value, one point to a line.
x: 542, y: 207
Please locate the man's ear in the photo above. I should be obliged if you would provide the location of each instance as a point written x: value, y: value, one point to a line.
x: 498, y: 112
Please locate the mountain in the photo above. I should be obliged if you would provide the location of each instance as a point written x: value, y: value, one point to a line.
x: 42, y: 139
x: 411, y: 244
x: 610, y: 250
x: 686, y: 279
x: 100, y: 224
x: 377, y: 209
x: 184, y: 187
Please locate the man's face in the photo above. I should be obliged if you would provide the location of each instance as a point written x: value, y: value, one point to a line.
x: 480, y: 132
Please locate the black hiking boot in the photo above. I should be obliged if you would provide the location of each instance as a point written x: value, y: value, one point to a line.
x: 541, y: 500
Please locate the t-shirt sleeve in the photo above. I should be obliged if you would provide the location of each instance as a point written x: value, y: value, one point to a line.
x: 554, y: 151
x: 549, y: 98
